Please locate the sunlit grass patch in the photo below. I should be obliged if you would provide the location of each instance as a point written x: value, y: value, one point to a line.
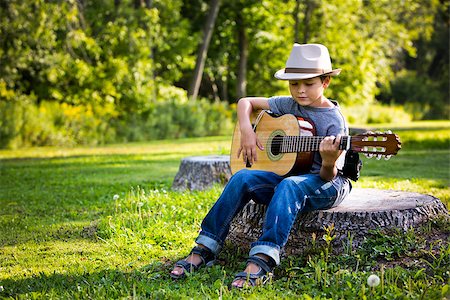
x: 156, y: 221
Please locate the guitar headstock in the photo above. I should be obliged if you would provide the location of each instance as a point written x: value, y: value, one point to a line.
x: 376, y: 144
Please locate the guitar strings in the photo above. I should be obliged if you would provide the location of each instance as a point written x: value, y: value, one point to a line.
x: 300, y: 143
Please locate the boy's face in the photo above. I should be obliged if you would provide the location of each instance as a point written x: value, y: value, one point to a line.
x: 308, y: 92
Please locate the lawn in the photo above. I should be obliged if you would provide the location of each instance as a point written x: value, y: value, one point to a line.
x: 102, y: 222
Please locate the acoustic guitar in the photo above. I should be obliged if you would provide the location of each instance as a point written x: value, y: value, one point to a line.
x: 289, y: 144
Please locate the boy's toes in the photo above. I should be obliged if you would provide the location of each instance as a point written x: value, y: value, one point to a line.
x: 177, y: 271
x: 239, y: 283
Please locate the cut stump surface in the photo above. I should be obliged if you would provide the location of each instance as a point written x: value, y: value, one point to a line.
x: 361, y: 211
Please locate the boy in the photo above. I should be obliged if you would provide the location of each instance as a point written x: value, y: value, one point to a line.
x: 309, y: 72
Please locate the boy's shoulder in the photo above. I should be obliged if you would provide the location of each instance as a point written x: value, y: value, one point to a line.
x: 281, y: 105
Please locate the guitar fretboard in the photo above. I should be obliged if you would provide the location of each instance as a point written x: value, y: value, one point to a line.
x: 290, y: 144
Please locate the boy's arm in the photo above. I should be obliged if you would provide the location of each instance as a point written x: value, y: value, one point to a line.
x: 249, y: 142
x: 329, y: 151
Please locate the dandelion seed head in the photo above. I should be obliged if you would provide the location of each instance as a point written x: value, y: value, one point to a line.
x: 373, y: 280
x: 115, y: 197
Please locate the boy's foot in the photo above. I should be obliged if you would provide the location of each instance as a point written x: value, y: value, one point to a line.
x: 193, y: 259
x: 257, y: 272
x: 241, y: 282
x: 198, y: 257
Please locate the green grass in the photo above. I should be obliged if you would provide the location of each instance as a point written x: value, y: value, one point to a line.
x: 64, y: 235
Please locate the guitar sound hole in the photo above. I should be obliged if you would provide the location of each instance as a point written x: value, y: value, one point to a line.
x: 275, y: 148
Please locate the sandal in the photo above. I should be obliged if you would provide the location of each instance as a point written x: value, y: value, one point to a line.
x: 208, y: 258
x: 263, y: 276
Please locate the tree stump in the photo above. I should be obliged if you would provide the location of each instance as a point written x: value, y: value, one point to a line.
x: 202, y: 172
x: 361, y: 211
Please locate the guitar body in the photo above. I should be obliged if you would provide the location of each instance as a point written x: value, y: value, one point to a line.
x: 269, y: 159
x: 290, y: 142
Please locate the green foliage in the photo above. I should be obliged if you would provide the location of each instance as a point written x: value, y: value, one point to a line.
x: 24, y: 124
x: 374, y: 113
x: 174, y: 116
x: 423, y: 85
x: 421, y: 96
x: 129, y: 57
x: 61, y: 124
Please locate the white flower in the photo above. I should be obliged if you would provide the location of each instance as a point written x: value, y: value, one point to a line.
x: 115, y: 197
x: 373, y: 280
x: 1, y: 288
x: 140, y: 204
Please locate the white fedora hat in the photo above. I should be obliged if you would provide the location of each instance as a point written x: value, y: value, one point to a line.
x: 307, y: 61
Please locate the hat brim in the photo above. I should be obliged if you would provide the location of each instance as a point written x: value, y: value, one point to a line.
x: 282, y: 75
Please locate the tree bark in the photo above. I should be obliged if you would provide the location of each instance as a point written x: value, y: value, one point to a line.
x: 117, y: 4
x: 202, y: 172
x: 203, y: 50
x: 296, y: 21
x: 241, y: 89
x: 310, y: 5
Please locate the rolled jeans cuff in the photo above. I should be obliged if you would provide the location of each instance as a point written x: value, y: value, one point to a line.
x: 209, y: 243
x: 272, y: 252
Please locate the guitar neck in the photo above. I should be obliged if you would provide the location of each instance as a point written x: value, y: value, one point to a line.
x: 290, y: 144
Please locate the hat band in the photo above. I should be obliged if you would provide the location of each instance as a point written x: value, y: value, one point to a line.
x: 305, y: 70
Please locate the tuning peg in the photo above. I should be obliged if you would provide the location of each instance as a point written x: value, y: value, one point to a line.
x: 379, y: 156
x: 387, y: 157
x: 388, y: 132
x: 369, y: 155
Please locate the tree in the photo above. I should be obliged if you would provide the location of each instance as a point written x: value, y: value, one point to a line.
x: 241, y: 86
x: 203, y: 49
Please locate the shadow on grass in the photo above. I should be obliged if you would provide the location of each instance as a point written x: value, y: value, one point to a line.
x: 150, y: 281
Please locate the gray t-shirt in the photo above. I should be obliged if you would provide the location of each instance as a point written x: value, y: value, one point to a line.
x: 327, y: 121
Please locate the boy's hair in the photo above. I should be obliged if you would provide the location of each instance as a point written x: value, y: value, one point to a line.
x: 323, y: 77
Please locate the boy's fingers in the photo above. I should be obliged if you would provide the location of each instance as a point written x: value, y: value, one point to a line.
x: 260, y: 146
x: 254, y: 155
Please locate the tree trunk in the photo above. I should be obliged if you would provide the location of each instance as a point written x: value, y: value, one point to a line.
x: 203, y: 50
x: 117, y: 4
x: 296, y: 21
x: 214, y: 87
x: 223, y: 84
x: 241, y: 89
x: 148, y: 3
x: 310, y: 5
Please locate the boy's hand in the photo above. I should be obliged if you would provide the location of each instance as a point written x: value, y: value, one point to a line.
x: 329, y: 151
x: 249, y: 142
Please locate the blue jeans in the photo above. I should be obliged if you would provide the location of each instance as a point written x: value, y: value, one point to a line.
x: 284, y: 197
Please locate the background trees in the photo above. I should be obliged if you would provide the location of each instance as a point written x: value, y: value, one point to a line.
x: 100, y: 71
